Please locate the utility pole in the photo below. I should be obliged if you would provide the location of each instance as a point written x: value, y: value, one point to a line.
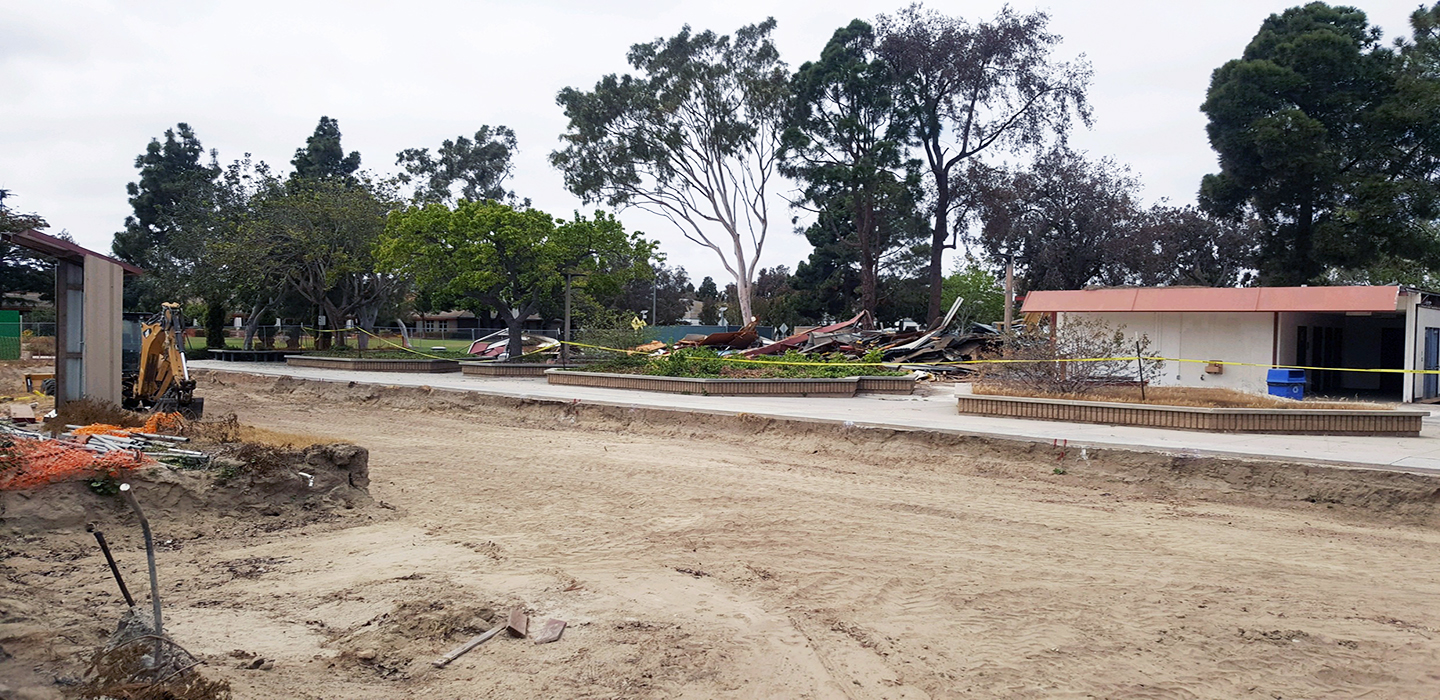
x: 1009, y: 291
x: 565, y: 347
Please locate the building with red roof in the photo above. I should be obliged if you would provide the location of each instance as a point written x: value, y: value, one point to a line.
x: 1329, y: 329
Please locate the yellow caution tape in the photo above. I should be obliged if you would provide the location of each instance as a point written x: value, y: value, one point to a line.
x: 952, y: 363
x: 383, y: 340
x: 948, y: 363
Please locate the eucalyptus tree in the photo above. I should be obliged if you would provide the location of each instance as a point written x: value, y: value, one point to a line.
x: 479, y: 166
x: 694, y: 137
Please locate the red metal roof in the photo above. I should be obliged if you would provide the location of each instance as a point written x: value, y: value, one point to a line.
x: 61, y: 248
x: 1217, y: 299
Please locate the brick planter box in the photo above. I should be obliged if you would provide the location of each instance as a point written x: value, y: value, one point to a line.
x: 364, y: 365
x: 886, y: 385
x: 1295, y: 421
x: 726, y: 387
x: 504, y: 369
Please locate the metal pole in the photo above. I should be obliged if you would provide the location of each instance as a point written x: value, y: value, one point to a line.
x: 654, y: 291
x: 129, y: 496
x: 109, y: 559
x: 1140, y: 370
x: 565, y: 347
x: 1009, y: 292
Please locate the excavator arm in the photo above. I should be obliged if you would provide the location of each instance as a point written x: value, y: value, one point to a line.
x: 163, y: 383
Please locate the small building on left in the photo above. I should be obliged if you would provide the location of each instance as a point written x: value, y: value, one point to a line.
x: 89, y: 324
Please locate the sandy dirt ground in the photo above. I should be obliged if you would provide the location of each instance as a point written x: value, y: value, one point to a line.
x: 705, y: 557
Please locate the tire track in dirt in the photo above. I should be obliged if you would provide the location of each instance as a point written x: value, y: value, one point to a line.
x: 961, y: 575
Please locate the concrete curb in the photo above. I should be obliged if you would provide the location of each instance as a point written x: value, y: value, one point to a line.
x: 846, y: 386
x: 363, y: 365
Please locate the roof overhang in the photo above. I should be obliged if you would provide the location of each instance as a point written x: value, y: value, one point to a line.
x: 1217, y: 300
x: 61, y: 249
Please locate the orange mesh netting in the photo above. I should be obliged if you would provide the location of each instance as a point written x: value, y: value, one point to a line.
x: 102, y: 429
x: 26, y: 464
x: 164, y: 423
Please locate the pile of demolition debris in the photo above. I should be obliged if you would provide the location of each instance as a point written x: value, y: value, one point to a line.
x: 32, y: 458
x: 856, y: 338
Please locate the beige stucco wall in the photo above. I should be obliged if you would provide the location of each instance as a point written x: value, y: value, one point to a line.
x: 1424, y: 317
x: 1234, y: 337
x: 103, y: 307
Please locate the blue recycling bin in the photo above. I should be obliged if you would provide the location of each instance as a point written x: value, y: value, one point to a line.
x: 1289, y: 383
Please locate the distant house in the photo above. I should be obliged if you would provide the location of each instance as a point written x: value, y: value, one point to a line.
x: 455, y: 321
x: 693, y: 309
x: 1359, y: 327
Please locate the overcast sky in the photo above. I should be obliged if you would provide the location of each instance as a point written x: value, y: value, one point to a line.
x: 86, y: 85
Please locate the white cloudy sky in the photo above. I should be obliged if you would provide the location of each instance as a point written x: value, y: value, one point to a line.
x: 85, y: 85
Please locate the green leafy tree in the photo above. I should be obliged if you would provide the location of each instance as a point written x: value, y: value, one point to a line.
x: 1068, y: 221
x: 172, y: 203
x: 244, y: 254
x: 710, y: 313
x: 969, y: 89
x: 776, y: 301
x: 707, y: 291
x: 478, y: 166
x: 321, y: 235
x: 983, y: 294
x: 1184, y: 246
x: 21, y: 271
x: 844, y: 142
x: 666, y: 289
x: 1330, y: 139
x: 323, y: 157
x: 488, y: 254
x: 694, y: 138
x: 827, y: 282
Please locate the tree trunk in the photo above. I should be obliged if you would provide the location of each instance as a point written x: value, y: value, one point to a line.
x: 742, y: 279
x: 514, y: 326
x: 333, y: 320
x: 937, y: 238
x: 365, y: 321
x: 742, y: 296
x: 869, y: 261
x: 937, y: 255
x: 252, y: 323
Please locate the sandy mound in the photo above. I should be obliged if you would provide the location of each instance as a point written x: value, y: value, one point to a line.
x: 289, y: 486
x: 49, y: 633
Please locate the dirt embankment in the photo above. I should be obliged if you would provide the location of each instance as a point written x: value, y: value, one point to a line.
x: 47, y: 628
x: 1368, y: 493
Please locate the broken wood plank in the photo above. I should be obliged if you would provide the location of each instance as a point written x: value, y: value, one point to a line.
x: 518, y: 624
x: 465, y: 648
x: 550, y: 631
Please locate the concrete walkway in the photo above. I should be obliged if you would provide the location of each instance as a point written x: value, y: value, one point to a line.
x: 933, y: 411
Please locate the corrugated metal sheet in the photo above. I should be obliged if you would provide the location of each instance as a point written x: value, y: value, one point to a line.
x: 1267, y: 299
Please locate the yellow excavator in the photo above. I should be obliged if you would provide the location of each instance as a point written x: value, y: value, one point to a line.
x: 161, y: 383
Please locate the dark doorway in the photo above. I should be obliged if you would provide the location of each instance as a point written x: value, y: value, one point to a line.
x: 1392, y: 356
